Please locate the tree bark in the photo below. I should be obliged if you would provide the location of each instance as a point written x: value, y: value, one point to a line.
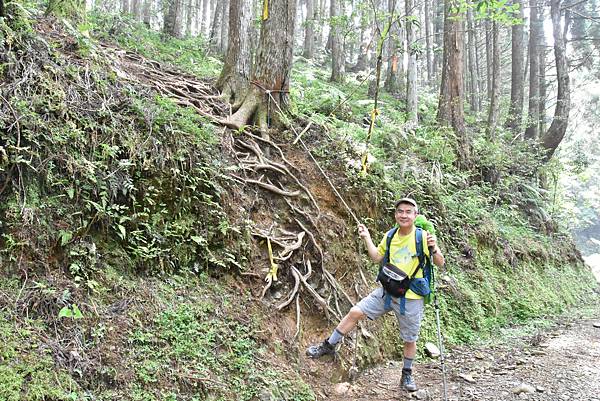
x: 215, y: 31
x: 494, y: 109
x: 135, y: 9
x: 272, y: 69
x: 542, y: 84
x: 480, y: 77
x: 224, y: 27
x: 172, y: 24
x: 147, y: 13
x: 363, y: 57
x: 233, y: 82
x: 428, y: 42
x: 488, y: 58
x: 555, y: 134
x: 189, y: 17
x: 125, y: 7
x: 438, y: 38
x: 473, y: 71
x: 534, y: 83
x: 337, y: 46
x: 309, y: 31
x: 205, y: 18
x: 515, y: 110
x: 450, y: 108
x: 411, y: 68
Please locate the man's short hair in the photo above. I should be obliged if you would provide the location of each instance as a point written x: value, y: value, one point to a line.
x: 409, y: 201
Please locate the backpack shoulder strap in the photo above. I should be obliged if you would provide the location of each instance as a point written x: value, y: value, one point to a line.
x: 388, y: 241
x: 419, y: 249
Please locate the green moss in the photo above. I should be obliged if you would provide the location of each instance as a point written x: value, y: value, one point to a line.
x: 27, y: 372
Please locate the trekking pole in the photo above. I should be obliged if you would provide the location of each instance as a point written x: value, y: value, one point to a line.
x: 439, y: 331
x: 440, y: 345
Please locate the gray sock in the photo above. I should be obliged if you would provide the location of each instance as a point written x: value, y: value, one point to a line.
x: 407, y: 363
x: 335, y: 337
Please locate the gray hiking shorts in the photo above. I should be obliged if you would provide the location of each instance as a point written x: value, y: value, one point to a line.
x: 373, y: 305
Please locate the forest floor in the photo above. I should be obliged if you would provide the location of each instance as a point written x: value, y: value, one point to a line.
x: 557, y: 363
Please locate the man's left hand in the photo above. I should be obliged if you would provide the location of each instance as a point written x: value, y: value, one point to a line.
x: 431, y: 241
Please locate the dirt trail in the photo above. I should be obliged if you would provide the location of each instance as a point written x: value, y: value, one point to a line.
x: 561, y: 363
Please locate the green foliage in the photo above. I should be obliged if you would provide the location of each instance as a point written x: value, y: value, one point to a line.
x: 106, y: 170
x: 28, y: 373
x: 189, y: 54
x: 208, y: 342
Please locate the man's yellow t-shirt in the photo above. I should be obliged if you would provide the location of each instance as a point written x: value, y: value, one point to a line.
x: 403, y: 254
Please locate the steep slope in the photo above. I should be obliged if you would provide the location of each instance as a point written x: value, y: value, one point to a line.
x: 135, y: 233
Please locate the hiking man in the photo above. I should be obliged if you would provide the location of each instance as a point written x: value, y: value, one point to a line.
x: 409, y: 308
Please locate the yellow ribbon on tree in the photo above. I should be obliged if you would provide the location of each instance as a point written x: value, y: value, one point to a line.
x: 374, y: 114
x: 272, y: 275
x: 265, y: 15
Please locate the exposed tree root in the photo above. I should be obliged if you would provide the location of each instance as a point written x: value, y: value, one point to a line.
x: 260, y: 167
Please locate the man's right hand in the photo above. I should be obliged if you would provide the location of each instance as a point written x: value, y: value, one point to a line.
x: 363, y: 232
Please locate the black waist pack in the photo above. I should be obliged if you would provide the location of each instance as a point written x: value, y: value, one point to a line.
x: 394, y: 281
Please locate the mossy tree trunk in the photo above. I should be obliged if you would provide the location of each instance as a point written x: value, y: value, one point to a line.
x: 534, y: 83
x: 474, y: 96
x: 494, y: 109
x: 450, y: 108
x: 172, y: 20
x: 337, y: 45
x: 309, y: 31
x: 555, y: 134
x: 233, y: 82
x: 273, y: 65
x: 411, y: 68
x: 515, y: 111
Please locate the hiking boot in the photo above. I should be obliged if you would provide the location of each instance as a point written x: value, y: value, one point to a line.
x: 318, y: 350
x: 407, y: 381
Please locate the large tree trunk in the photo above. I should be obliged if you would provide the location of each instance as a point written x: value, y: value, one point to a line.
x: 438, y: 38
x: 309, y: 30
x: 395, y: 45
x: 363, y: 56
x: 473, y: 71
x: 233, y: 82
x: 205, y: 18
x: 543, y: 85
x: 450, y: 108
x: 172, y: 25
x: 224, y: 28
x: 411, y: 68
x: 488, y: 57
x: 135, y: 9
x: 215, y: 31
x: 534, y: 83
x: 147, y: 13
x: 478, y: 62
x: 428, y: 42
x: 272, y: 67
x: 494, y: 109
x: 515, y: 110
x: 337, y: 47
x: 124, y: 6
x: 556, y: 132
x: 189, y: 17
